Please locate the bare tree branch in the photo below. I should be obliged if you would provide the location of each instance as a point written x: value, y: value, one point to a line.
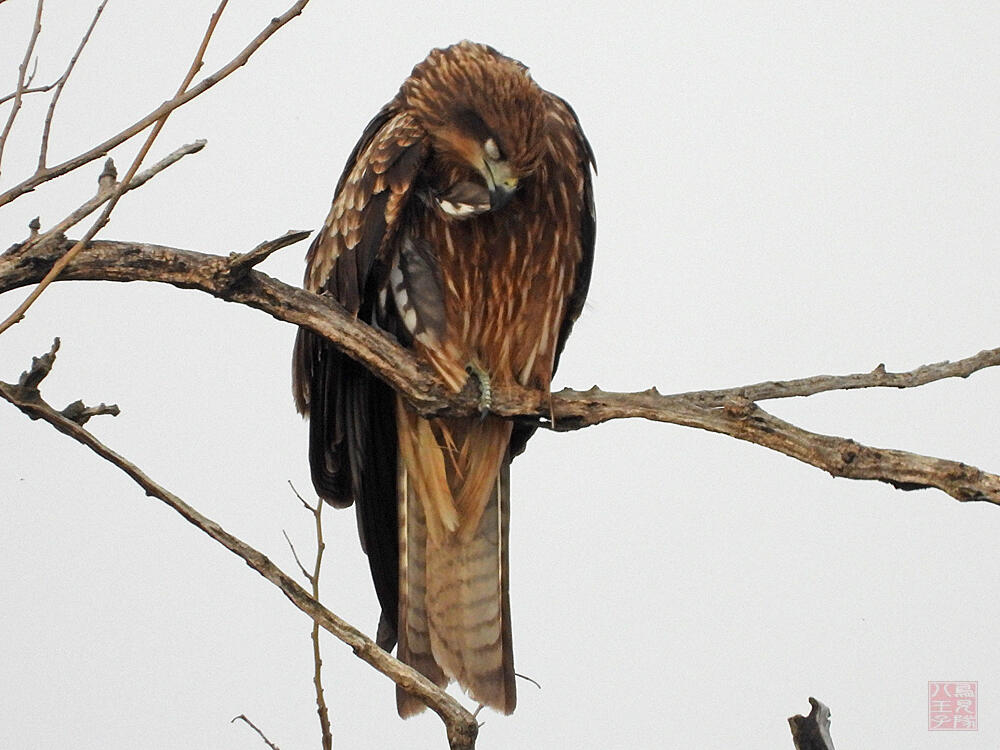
x: 461, y: 726
x: 321, y: 708
x: 313, y: 579
x: 31, y: 75
x: 169, y: 106
x: 841, y: 457
x: 29, y: 90
x: 730, y: 411
x: 119, y: 189
x: 43, y: 149
x: 229, y: 279
x: 22, y: 81
x: 302, y: 500
x: 302, y: 568
x: 877, y: 378
x: 245, y: 720
x: 810, y: 732
x: 106, y: 185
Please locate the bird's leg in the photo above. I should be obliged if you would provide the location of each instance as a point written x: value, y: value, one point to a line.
x: 485, y: 388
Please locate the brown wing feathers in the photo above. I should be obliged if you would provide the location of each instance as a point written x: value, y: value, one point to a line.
x: 352, y: 440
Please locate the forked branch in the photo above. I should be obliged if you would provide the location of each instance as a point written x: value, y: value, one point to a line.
x: 460, y: 724
x: 313, y: 578
x: 60, y: 83
x: 102, y: 149
x: 117, y: 189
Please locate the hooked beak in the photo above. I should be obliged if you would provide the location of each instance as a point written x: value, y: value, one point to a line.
x: 502, y: 183
x: 500, y: 196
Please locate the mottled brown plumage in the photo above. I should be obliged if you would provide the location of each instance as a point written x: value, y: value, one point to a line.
x: 463, y: 225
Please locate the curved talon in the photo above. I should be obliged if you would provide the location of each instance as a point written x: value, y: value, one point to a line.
x: 485, y: 388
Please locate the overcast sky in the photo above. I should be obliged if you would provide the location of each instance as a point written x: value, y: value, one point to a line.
x: 784, y: 191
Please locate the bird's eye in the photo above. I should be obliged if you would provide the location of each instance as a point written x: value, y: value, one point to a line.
x: 491, y: 149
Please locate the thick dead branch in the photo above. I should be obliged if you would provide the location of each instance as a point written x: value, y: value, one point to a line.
x: 743, y: 419
x: 226, y: 279
x: 461, y: 726
x: 44, y: 175
x: 729, y: 412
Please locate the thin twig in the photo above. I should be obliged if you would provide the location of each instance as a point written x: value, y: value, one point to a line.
x: 105, y: 191
x: 31, y: 75
x: 241, y: 263
x: 529, y: 679
x: 877, y: 378
x: 242, y: 717
x: 313, y: 578
x: 120, y: 189
x: 60, y: 83
x: 460, y: 725
x: 21, y: 75
x: 31, y: 90
x: 321, y: 708
x: 137, y: 127
x: 302, y: 500
x: 302, y: 568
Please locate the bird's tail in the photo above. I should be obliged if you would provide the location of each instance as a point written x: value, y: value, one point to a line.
x: 454, y: 609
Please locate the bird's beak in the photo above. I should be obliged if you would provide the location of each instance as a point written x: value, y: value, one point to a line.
x: 500, y: 196
x: 501, y: 181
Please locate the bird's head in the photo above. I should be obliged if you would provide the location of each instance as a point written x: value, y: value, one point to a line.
x: 484, y: 115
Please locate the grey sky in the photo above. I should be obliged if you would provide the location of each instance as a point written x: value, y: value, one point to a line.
x: 783, y: 190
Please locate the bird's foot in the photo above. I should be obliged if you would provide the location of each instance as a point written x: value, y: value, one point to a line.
x: 485, y: 388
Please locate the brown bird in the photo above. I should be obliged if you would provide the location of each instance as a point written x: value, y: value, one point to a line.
x: 463, y: 225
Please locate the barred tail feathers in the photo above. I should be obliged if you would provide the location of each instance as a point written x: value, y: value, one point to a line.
x: 414, y: 637
x: 454, y: 611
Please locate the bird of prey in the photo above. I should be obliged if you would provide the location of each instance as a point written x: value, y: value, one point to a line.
x: 463, y: 225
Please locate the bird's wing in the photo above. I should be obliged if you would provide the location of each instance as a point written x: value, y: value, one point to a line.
x: 588, y: 226
x: 581, y: 166
x: 352, y: 435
